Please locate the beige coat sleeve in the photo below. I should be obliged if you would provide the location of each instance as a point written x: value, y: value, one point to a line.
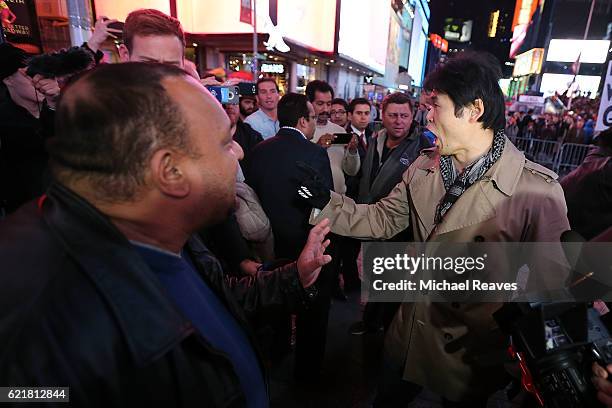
x: 351, y: 163
x: 381, y: 220
x: 551, y: 272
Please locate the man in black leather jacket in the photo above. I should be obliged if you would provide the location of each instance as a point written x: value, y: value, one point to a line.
x: 89, y: 294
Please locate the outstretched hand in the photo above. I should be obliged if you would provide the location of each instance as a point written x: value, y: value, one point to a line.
x: 313, y: 255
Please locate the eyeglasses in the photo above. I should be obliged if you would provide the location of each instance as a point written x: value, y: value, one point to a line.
x: 337, y: 112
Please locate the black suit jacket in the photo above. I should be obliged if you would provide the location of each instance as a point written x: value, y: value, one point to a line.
x: 273, y: 174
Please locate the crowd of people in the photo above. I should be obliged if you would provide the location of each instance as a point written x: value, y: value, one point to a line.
x: 161, y: 248
x: 571, y: 126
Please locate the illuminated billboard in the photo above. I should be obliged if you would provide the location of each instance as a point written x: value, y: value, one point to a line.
x: 310, y: 23
x: 196, y: 16
x: 523, y: 16
x: 418, y: 43
x: 120, y: 9
x: 216, y: 17
x: 590, y: 51
x: 364, y: 32
x: 529, y: 62
x: 458, y: 30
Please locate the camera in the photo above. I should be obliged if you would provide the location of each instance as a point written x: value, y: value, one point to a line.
x: 225, y: 94
x: 556, y: 345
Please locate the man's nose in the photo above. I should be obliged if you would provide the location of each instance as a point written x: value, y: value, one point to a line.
x: 430, y: 115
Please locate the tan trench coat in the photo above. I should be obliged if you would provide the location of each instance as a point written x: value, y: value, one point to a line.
x: 443, y: 346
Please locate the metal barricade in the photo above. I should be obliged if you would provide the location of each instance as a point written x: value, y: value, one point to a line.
x: 544, y: 152
x: 561, y: 158
x: 570, y: 157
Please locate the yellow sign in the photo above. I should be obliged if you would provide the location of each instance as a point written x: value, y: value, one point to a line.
x: 529, y: 62
x: 493, y: 20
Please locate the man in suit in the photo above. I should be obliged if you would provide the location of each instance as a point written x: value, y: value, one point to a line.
x: 388, y: 156
x: 273, y: 174
x: 359, y: 119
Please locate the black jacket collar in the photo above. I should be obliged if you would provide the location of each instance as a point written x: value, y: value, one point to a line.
x: 285, y: 131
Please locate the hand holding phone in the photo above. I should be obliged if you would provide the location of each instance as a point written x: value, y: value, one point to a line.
x: 342, y: 138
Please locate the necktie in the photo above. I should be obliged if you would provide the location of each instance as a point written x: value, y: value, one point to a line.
x: 362, y: 141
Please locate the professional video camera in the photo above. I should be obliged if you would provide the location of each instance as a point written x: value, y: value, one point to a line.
x: 556, y: 345
x: 229, y: 94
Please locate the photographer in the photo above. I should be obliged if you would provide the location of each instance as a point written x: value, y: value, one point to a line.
x: 26, y: 117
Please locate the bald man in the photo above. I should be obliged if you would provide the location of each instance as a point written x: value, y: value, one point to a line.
x: 105, y: 289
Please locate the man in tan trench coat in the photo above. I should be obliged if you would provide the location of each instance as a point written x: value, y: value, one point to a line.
x: 476, y: 186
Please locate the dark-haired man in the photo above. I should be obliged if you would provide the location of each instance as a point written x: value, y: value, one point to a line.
x: 339, y: 112
x: 393, y: 149
x: 273, y: 174
x: 344, y: 159
x: 359, y: 119
x: 248, y: 105
x: 265, y: 119
x: 105, y: 289
x: 478, y: 187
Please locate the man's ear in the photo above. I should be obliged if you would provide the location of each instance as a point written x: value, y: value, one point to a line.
x: 168, y: 175
x: 124, y: 53
x: 302, y: 123
x: 476, y: 110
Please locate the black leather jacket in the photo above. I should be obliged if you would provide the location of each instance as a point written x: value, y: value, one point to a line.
x: 80, y: 308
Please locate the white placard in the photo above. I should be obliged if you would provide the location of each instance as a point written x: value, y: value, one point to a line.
x: 604, y: 118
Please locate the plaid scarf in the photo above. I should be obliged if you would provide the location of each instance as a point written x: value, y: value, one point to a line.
x: 456, y: 184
